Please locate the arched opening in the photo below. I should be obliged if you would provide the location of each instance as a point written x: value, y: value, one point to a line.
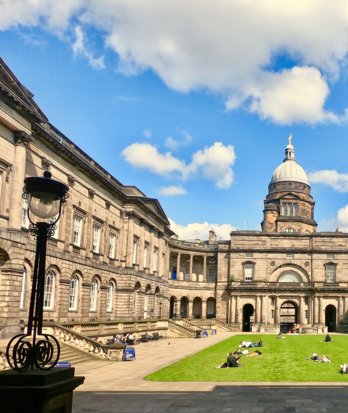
x: 197, y: 308
x: 330, y: 318
x: 288, y: 316
x: 211, y: 307
x: 172, y: 307
x: 184, y: 304
x: 248, y: 317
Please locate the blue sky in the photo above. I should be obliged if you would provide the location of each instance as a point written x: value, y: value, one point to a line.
x: 193, y: 101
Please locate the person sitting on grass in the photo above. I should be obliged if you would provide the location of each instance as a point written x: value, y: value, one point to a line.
x: 344, y: 368
x: 232, y: 361
x: 315, y: 357
x: 327, y: 338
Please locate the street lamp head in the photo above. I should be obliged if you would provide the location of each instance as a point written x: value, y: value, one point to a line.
x: 45, y: 196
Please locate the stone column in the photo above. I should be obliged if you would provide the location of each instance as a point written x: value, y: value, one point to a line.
x: 321, y: 319
x: 205, y: 268
x: 236, y: 312
x: 18, y: 174
x: 190, y: 309
x: 178, y: 276
x: 302, y: 319
x: 130, y: 238
x: 232, y: 317
x: 204, y: 309
x: 257, y: 310
x: 191, y: 266
x: 264, y: 305
x: 276, y: 311
x: 340, y: 315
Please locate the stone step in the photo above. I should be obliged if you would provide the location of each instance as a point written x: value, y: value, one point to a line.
x: 73, y: 355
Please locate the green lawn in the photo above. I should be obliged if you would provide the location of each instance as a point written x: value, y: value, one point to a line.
x: 282, y: 360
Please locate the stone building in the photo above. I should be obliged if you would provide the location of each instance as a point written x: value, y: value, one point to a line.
x: 114, y: 260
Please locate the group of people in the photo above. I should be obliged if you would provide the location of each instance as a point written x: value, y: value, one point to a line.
x: 243, y: 349
x: 126, y: 338
x: 323, y: 358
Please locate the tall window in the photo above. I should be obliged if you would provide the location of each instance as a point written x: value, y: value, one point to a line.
x: 110, y: 294
x: 211, y: 275
x: 24, y: 282
x: 77, y: 231
x: 74, y: 293
x: 248, y: 271
x: 146, y: 255
x: 50, y: 282
x: 330, y: 273
x: 112, y: 245
x: 94, y: 295
x: 135, y: 250
x: 155, y: 259
x: 25, y: 219
x: 96, y: 238
x: 290, y: 209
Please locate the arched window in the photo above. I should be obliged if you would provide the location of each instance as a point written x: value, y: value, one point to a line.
x: 289, y: 277
x: 94, y: 295
x: 110, y: 295
x: 50, y: 283
x: 74, y: 293
x: 24, y: 284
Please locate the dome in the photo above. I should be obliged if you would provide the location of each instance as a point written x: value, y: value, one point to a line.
x: 289, y: 170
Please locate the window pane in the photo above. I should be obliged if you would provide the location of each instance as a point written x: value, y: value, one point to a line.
x: 49, y: 290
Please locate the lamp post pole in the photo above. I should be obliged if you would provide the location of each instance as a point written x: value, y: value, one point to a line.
x: 36, y: 349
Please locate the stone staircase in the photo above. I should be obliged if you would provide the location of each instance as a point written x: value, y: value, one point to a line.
x: 181, y: 330
x: 73, y: 355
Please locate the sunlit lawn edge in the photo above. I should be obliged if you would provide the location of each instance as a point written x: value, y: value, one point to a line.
x: 283, y: 360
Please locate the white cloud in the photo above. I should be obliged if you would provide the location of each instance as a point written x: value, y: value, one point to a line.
x: 280, y: 97
x: 174, y: 144
x: 146, y: 156
x: 172, y: 191
x: 332, y: 178
x: 80, y: 47
x: 201, y: 230
x: 214, y: 163
x: 228, y: 47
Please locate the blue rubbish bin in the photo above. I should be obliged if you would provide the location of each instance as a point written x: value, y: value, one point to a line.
x: 128, y: 354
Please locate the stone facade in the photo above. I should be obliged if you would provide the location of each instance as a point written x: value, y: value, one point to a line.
x: 114, y: 258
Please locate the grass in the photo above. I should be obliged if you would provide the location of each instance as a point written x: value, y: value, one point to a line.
x: 283, y: 360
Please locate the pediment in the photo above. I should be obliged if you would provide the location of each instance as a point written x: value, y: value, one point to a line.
x: 16, y: 91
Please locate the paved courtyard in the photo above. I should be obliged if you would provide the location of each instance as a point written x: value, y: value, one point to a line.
x: 119, y: 387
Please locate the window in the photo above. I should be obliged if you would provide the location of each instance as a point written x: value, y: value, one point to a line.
x: 249, y: 254
x: 73, y: 293
x: 330, y: 273
x: 146, y: 255
x: 94, y: 295
x: 289, y: 277
x: 248, y: 271
x: 77, y: 231
x: 155, y: 259
x: 24, y: 282
x: 211, y: 275
x: 112, y: 245
x: 110, y: 297
x: 135, y: 250
x: 50, y: 281
x: 25, y: 219
x: 290, y: 209
x: 96, y: 238
x: 289, y: 229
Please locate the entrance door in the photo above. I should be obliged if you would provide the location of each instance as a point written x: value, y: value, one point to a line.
x: 288, y: 316
x: 248, y: 312
x: 330, y: 318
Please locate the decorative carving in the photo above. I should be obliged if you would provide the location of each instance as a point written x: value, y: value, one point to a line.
x: 272, y: 263
x: 22, y: 138
x: 46, y: 164
x: 306, y: 264
x: 91, y: 193
x: 71, y: 180
x: 107, y: 205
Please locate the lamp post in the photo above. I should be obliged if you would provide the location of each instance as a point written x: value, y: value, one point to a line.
x: 45, y: 197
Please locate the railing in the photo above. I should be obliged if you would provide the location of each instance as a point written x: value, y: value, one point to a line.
x: 188, y: 324
x: 180, y: 329
x: 224, y: 325
x: 85, y: 344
